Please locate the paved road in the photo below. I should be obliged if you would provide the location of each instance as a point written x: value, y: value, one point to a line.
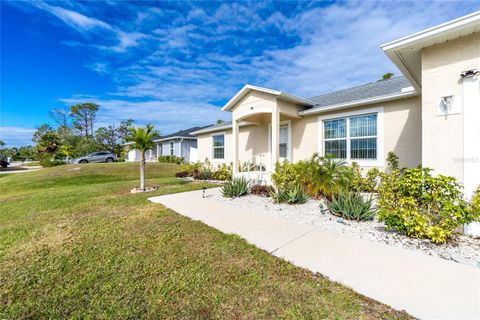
x: 426, y: 287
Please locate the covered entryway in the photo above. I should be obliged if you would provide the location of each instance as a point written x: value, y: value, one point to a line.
x: 274, y: 111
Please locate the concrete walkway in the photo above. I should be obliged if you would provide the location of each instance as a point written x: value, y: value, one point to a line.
x: 426, y: 287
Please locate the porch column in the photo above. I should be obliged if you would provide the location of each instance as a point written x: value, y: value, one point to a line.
x: 275, y: 137
x: 235, y: 146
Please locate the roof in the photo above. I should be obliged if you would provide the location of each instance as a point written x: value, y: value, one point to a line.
x: 220, y: 126
x: 405, y: 52
x: 280, y: 94
x: 185, y: 134
x: 370, y: 90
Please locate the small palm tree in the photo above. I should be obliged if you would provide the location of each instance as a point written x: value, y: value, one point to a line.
x: 141, y: 139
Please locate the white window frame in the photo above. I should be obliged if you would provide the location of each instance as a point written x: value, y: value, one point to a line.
x: 288, y: 123
x: 224, y: 146
x: 380, y: 161
x: 171, y: 146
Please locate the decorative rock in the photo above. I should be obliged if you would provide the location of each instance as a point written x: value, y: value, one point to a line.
x: 147, y: 189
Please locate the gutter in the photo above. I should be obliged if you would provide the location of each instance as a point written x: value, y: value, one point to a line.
x: 391, y: 97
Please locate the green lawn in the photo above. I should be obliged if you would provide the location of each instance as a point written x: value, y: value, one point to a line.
x: 74, y: 243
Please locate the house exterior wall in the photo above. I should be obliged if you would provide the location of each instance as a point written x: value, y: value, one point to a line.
x: 443, y: 136
x: 253, y: 103
x: 402, y: 134
x: 166, y: 148
x: 185, y: 146
x: 253, y: 141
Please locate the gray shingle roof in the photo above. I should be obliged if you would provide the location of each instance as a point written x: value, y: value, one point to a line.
x: 183, y: 133
x: 370, y: 90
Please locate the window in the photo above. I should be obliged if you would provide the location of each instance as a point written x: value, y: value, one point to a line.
x: 218, y: 146
x: 351, y: 138
x: 172, y: 148
x: 283, y: 143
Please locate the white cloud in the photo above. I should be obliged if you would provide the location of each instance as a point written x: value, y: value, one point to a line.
x: 16, y: 136
x: 74, y: 19
x: 84, y: 24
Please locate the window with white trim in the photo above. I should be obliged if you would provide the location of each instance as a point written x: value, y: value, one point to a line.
x: 351, y: 138
x: 218, y: 146
x: 172, y: 148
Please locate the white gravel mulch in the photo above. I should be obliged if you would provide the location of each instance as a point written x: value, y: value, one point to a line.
x: 461, y: 248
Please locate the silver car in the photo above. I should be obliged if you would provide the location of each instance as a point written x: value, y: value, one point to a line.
x: 102, y: 156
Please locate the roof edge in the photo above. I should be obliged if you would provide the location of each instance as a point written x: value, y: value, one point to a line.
x: 248, y: 87
x: 172, y: 138
x: 214, y: 128
x: 363, y: 102
x: 422, y: 35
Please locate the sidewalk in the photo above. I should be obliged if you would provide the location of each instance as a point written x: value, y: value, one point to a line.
x: 426, y: 287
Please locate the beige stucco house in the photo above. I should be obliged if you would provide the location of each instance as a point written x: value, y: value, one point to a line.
x: 429, y: 116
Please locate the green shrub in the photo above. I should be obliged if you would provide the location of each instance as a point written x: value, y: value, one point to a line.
x: 188, y: 169
x: 474, y: 206
x: 171, y: 159
x: 319, y: 176
x: 416, y: 204
x: 360, y: 183
x: 235, y: 188
x: 223, y: 173
x: 325, y: 176
x: 46, y: 161
x: 351, y: 206
x: 393, y: 163
x: 261, y: 190
x: 290, y: 195
x: 203, y: 174
x: 287, y: 174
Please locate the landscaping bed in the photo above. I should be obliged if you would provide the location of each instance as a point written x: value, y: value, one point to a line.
x: 460, y: 248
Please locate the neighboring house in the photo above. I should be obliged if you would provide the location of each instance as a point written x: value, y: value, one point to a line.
x: 179, y: 144
x: 431, y: 116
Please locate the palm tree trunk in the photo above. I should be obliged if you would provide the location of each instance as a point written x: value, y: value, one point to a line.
x: 142, y: 170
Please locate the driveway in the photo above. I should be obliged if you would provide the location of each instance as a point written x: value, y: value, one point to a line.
x: 424, y: 286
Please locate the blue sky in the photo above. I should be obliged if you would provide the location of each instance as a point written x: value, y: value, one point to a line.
x: 176, y: 63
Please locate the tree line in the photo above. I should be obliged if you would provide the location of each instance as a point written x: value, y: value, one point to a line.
x: 72, y: 135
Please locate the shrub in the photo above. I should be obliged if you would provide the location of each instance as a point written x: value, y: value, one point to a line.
x: 181, y: 174
x: 319, y: 176
x: 287, y: 174
x: 416, y: 204
x: 235, y: 188
x: 352, y: 206
x: 261, y: 190
x: 171, y: 159
x: 290, y: 195
x: 474, y: 206
x: 46, y: 161
x: 188, y: 169
x: 393, y: 163
x: 223, y: 173
x: 203, y: 174
x: 360, y: 183
x: 325, y: 176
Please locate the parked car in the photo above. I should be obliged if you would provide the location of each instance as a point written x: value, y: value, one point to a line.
x: 4, y: 161
x: 102, y: 156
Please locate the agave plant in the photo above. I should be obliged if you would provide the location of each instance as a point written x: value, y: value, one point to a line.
x: 290, y: 195
x: 352, y: 206
x: 237, y: 187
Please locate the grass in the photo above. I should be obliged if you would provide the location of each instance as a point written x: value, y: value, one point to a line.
x: 74, y: 243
